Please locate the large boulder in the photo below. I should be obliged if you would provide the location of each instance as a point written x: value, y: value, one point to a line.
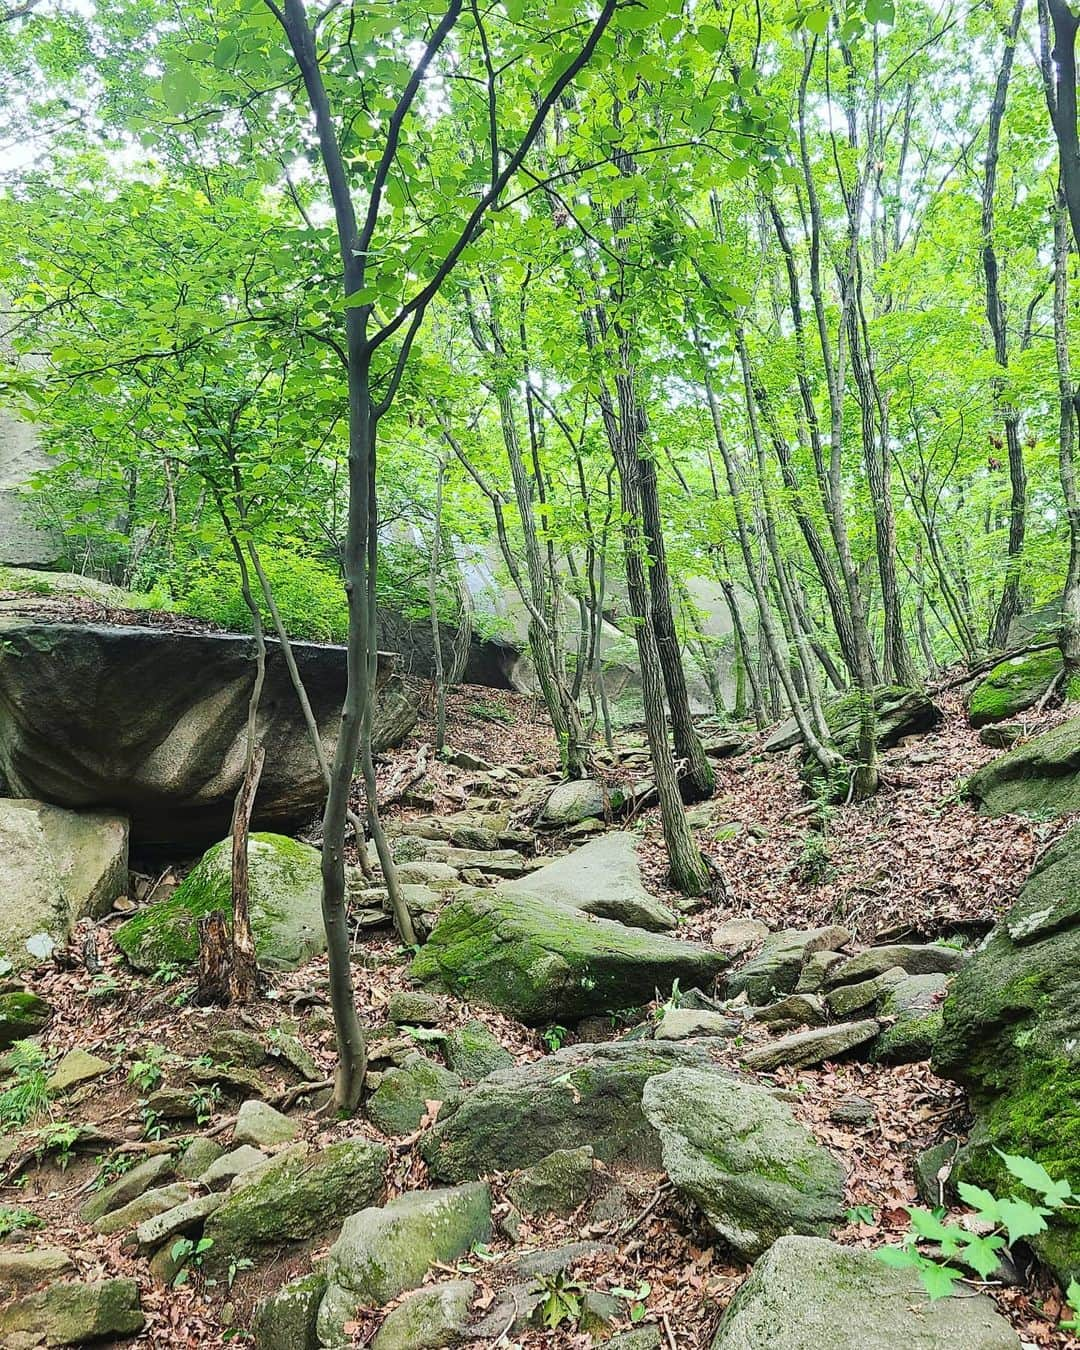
x: 383, y: 1252
x: 153, y: 722
x: 1013, y: 686
x: 603, y: 878
x: 900, y: 712
x: 577, y: 800
x: 1039, y: 778
x: 285, y: 882
x: 540, y: 960
x: 72, y: 1314
x: 583, y: 1094
x: 295, y: 1195
x: 741, y: 1156
x: 1011, y: 1037
x: 806, y: 1293
x: 56, y: 867
x: 775, y: 969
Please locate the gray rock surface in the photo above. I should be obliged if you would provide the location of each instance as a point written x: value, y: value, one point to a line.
x: 56, y: 867
x: 806, y: 1293
x: 399, y: 1103
x: 263, y: 1126
x: 917, y: 958
x: 72, y: 1314
x: 430, y: 1319
x: 803, y: 1048
x: 741, y: 1156
x: 775, y: 969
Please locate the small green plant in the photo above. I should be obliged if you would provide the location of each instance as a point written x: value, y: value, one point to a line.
x: 236, y: 1265
x: 28, y: 1096
x: 110, y: 1166
x: 14, y: 1217
x: 204, y: 1102
x: 105, y: 988
x: 635, y: 1298
x: 560, y: 1301
x: 188, y: 1253
x: 168, y: 972
x: 146, y: 1073
x: 1000, y: 1223
x: 490, y: 712
x: 59, y: 1139
x: 670, y: 1004
x: 861, y: 1214
x: 153, y: 1125
x: 554, y: 1038
x: 814, y: 865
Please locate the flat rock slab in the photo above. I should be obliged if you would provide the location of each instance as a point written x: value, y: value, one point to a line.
x: 775, y: 969
x: 126, y: 1187
x: 603, y: 878
x: 24, y: 1269
x: 73, y: 1314
x: 541, y: 961
x: 77, y: 1066
x: 806, y: 1293
x: 744, y: 1160
x: 917, y: 958
x: 680, y: 1024
x: 1039, y: 778
x: 154, y: 723
x: 804, y: 1048
x: 262, y: 1126
x: 183, y: 1218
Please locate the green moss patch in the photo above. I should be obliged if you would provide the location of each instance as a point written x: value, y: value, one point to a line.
x: 1013, y: 686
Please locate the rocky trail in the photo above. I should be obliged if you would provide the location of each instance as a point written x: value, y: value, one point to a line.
x: 592, y: 1106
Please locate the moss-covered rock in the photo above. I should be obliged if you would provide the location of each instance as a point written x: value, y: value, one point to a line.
x: 297, y: 1194
x: 557, y: 1184
x: 1039, y: 778
x: 430, y: 1319
x: 22, y: 1014
x: 541, y: 961
x: 73, y: 1314
x: 399, y: 1103
x: 900, y: 712
x: 1013, y: 686
x: 809, y: 1294
x: 473, y: 1051
x: 741, y: 1156
x: 584, y: 1094
x: 910, y: 1013
x: 382, y: 1252
x: 286, y: 1320
x: 774, y: 970
x: 128, y: 1186
x: 1011, y: 1036
x: 285, y: 898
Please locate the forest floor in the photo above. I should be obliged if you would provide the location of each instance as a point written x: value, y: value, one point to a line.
x: 915, y: 860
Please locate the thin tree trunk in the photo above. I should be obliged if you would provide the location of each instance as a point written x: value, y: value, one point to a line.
x: 433, y: 611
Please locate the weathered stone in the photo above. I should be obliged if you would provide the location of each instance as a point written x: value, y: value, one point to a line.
x: 415, y: 1008
x: 77, y: 1066
x: 776, y: 967
x: 283, y: 1046
x: 72, y: 1314
x: 197, y: 1157
x: 1013, y: 686
x: 237, y: 1047
x: 22, y: 1015
x: 542, y: 961
x: 1011, y: 1036
x: 126, y: 1187
x: 555, y: 1260
x: 261, y: 1125
x: 899, y: 713
x: 557, y: 1184
x: 286, y: 1320
x: 171, y: 1103
x: 1001, y: 735
x: 474, y: 837
x: 916, y: 958
x: 295, y: 1195
x: 598, y: 1311
x: 736, y: 936
x: 853, y: 1110
x: 1039, y: 778
x: 155, y: 723
x: 383, y: 1252
x: 223, y: 1170
x: 740, y: 1155
x: 816, y: 970
x: 583, y: 1094
x: 186, y: 1217
x: 577, y: 800
x: 911, y: 1019
x: 797, y: 1010
x: 399, y: 1103
x: 465, y: 759
x: 146, y: 1206
x: 285, y: 883
x: 20, y: 1270
x: 679, y: 1024
x: 430, y: 1319
x: 803, y: 1048
x: 646, y: 1337
x: 426, y: 872
x: 806, y: 1293
x: 933, y: 1169
x: 603, y: 878
x: 56, y: 867
x: 473, y: 1051
x: 845, y: 999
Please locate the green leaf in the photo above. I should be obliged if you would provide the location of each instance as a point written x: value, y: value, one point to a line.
x: 366, y: 295
x: 226, y: 52
x: 880, y: 11
x: 981, y: 1254
x: 901, y: 1258
x: 1035, y: 1176
x: 928, y: 1226
x: 980, y: 1200
x: 710, y: 37
x: 938, y: 1280
x: 1021, y: 1220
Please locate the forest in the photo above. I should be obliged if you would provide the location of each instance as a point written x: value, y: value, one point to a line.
x: 539, y: 662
